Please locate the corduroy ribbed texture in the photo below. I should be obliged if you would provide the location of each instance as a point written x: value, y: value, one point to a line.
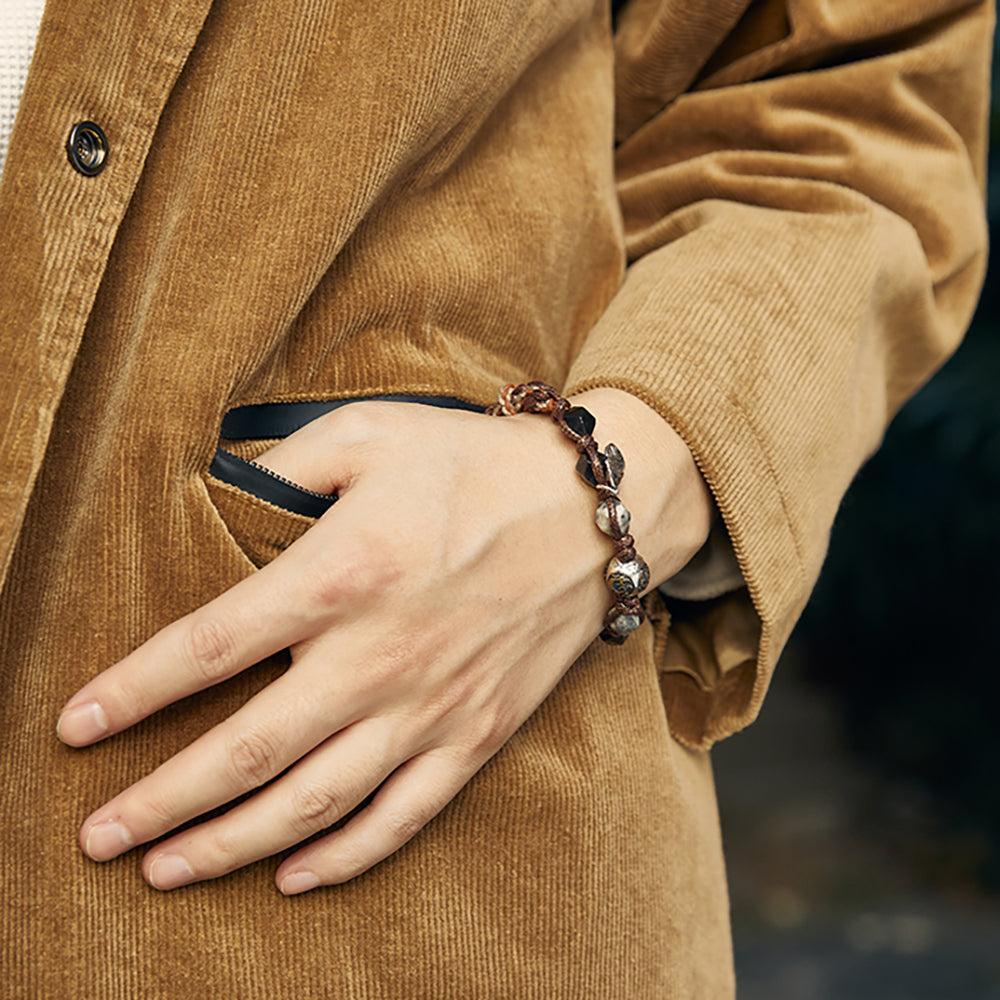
x: 324, y: 200
x: 807, y: 247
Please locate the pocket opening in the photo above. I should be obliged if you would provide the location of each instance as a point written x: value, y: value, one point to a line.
x: 269, y: 486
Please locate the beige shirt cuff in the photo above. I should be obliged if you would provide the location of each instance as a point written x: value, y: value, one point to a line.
x: 711, y: 572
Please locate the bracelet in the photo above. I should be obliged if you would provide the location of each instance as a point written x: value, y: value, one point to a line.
x: 627, y: 574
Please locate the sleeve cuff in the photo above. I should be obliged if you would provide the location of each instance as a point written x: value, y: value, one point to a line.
x: 711, y: 572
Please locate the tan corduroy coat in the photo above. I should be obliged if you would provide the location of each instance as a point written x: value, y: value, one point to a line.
x: 317, y: 199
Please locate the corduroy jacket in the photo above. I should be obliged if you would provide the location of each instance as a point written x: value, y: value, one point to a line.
x: 763, y: 218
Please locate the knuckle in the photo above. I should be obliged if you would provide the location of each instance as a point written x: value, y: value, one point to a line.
x: 396, y: 660
x: 480, y: 737
x: 315, y: 807
x: 327, y: 582
x: 352, y: 424
x: 253, y: 758
x: 454, y: 706
x: 360, y: 422
x: 353, y: 576
x: 404, y: 824
x: 456, y: 698
x: 160, y: 814
x: 224, y: 852
x: 350, y: 861
x: 408, y: 656
x: 493, y: 730
x: 210, y: 649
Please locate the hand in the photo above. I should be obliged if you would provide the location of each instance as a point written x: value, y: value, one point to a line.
x: 427, y: 613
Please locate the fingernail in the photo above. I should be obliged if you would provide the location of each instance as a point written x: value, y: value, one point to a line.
x: 82, y: 724
x: 107, y: 840
x: 298, y: 882
x: 169, y: 871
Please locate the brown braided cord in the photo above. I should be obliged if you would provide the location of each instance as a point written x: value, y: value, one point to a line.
x: 538, y: 397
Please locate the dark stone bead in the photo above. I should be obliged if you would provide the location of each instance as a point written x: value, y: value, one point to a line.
x: 580, y: 421
x: 584, y: 469
x: 614, y: 463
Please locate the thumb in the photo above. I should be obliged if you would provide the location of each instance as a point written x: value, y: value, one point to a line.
x: 312, y: 457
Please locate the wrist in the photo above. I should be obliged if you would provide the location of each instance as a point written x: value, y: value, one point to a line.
x: 671, y: 506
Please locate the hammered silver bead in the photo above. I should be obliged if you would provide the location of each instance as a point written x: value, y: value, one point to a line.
x: 602, y: 516
x: 626, y: 578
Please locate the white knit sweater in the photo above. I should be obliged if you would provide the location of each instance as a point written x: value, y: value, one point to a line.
x: 19, y: 21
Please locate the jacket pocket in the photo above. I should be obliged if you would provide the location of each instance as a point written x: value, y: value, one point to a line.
x: 268, y: 486
x: 263, y: 511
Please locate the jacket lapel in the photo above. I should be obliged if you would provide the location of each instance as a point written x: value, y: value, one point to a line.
x: 114, y: 64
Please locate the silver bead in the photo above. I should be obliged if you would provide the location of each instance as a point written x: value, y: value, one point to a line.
x: 602, y: 517
x: 627, y: 578
x: 624, y: 624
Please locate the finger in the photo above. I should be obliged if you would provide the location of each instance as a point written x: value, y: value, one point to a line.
x: 274, y: 729
x: 291, y: 599
x: 322, y: 788
x: 404, y: 805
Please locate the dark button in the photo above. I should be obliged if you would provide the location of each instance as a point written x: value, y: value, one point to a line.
x: 87, y: 148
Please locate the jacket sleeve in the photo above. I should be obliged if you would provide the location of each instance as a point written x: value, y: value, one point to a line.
x: 805, y: 228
